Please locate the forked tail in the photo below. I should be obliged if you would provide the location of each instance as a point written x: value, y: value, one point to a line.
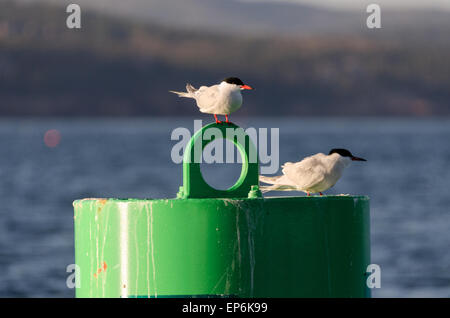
x: 275, y: 185
x: 269, y: 180
x: 190, y: 90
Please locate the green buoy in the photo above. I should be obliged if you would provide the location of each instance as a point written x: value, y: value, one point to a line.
x: 230, y: 243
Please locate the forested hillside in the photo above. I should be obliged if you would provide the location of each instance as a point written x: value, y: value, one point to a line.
x: 116, y: 67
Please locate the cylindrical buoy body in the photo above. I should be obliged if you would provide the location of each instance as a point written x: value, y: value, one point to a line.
x: 274, y: 247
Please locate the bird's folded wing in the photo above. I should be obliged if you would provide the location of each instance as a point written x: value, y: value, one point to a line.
x: 207, y: 96
x: 306, y: 173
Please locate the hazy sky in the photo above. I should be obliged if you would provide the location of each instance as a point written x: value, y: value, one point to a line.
x: 390, y: 4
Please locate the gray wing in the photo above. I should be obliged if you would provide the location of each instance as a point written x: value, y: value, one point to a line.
x: 307, y: 173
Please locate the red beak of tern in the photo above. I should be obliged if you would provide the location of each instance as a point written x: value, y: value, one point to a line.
x: 246, y: 87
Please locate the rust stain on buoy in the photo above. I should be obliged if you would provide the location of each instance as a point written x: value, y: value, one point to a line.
x: 101, y: 269
x: 101, y: 204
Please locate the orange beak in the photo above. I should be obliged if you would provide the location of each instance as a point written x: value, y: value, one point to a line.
x: 246, y: 87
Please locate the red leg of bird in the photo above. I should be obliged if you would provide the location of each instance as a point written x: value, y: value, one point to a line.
x: 226, y: 119
x: 308, y: 194
x: 217, y: 120
x: 320, y: 193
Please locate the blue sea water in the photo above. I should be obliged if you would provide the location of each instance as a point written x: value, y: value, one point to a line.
x: 407, y: 177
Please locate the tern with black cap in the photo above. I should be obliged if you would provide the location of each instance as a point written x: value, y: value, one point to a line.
x: 221, y: 99
x: 313, y: 174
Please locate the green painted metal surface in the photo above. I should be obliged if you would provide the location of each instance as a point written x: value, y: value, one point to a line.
x: 194, y: 186
x: 314, y: 247
x: 231, y: 243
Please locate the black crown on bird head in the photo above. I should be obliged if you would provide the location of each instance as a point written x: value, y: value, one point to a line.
x: 346, y: 153
x: 233, y: 80
x: 342, y: 152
